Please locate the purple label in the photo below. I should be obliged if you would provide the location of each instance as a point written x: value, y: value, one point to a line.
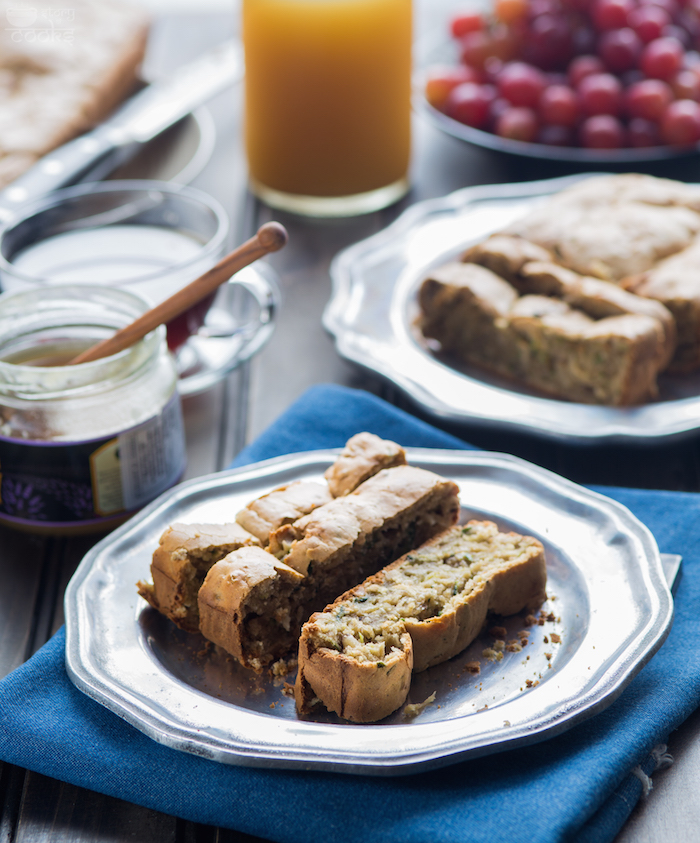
x: 70, y: 482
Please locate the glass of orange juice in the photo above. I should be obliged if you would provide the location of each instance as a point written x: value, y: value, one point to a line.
x: 327, y: 103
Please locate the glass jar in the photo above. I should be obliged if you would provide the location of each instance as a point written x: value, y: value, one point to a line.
x: 82, y: 447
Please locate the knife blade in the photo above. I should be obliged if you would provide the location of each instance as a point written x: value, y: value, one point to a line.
x: 145, y: 115
x: 671, y: 564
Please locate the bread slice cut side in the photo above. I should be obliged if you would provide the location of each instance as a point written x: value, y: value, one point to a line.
x: 353, y: 655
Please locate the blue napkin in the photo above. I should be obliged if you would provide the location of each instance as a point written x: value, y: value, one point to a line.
x: 577, y: 786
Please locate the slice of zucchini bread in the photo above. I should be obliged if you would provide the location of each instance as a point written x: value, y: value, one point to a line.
x: 363, y: 456
x: 333, y: 548
x: 356, y: 656
x: 281, y: 506
x: 182, y: 559
x: 250, y: 604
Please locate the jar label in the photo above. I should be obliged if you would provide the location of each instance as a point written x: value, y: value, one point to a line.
x: 81, y: 483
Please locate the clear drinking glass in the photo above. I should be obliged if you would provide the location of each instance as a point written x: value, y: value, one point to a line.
x: 328, y: 103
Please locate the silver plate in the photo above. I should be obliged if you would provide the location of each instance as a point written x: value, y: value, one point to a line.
x: 611, y: 607
x: 373, y: 308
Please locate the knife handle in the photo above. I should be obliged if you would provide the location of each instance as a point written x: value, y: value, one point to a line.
x: 63, y: 167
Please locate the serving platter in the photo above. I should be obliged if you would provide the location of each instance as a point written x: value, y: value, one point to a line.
x: 373, y: 308
x: 608, y: 611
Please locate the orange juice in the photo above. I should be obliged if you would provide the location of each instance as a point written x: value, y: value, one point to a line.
x: 328, y: 86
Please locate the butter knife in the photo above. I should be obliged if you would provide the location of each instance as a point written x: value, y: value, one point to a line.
x: 671, y: 564
x: 145, y: 115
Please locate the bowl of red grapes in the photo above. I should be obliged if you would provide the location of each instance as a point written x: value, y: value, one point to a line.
x: 576, y: 80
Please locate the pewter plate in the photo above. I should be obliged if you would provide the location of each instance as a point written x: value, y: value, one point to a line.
x: 373, y: 308
x: 608, y: 609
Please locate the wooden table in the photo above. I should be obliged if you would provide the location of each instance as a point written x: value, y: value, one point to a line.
x: 34, y: 571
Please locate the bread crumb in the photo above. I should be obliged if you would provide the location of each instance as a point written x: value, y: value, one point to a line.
x: 283, y: 666
x: 556, y: 639
x: 492, y: 655
x: 498, y: 631
x: 412, y: 711
x: 473, y: 667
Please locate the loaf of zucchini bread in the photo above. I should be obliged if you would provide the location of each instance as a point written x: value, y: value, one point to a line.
x: 580, y: 345
x: 356, y: 657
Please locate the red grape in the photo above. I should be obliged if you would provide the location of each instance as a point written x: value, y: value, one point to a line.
x: 542, y: 7
x: 521, y: 84
x: 468, y: 22
x: 559, y: 105
x: 441, y: 80
x: 492, y: 68
x: 686, y: 85
x: 504, y: 42
x: 648, y: 22
x: 648, y: 99
x: 620, y: 49
x: 680, y: 125
x: 518, y: 124
x: 469, y: 103
x: 602, y: 131
x: 662, y: 58
x: 475, y: 48
x: 671, y: 6
x: 611, y: 14
x: 549, y: 43
x: 584, y: 66
x: 674, y: 31
x: 600, y: 93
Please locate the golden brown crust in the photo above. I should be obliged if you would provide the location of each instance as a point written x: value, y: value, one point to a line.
x: 598, y: 299
x: 607, y: 231
x: 675, y: 283
x: 402, y: 497
x: 359, y: 692
x: 281, y: 506
x: 180, y: 562
x: 505, y: 255
x: 363, y: 456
